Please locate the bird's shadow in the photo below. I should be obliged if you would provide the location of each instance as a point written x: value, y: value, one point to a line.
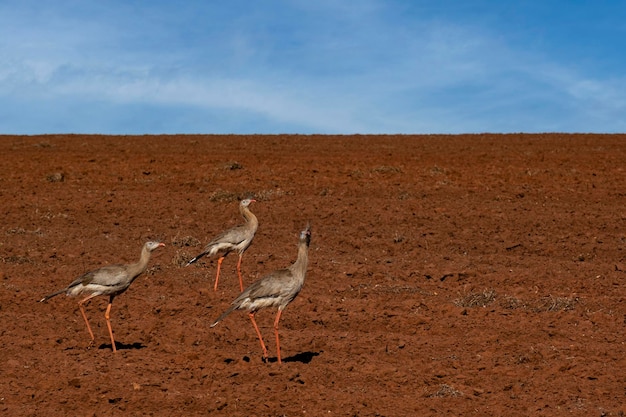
x: 123, y: 346
x: 303, y: 357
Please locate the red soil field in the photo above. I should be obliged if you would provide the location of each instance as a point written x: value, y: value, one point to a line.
x: 448, y: 275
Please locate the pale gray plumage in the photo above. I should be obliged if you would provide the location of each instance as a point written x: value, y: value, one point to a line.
x: 236, y: 239
x: 111, y: 280
x: 276, y: 290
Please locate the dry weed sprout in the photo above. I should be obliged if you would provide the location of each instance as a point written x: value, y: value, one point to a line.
x: 385, y: 169
x: 476, y: 299
x: 56, y: 177
x: 233, y: 165
x: 446, y: 390
x: 548, y: 303
x: 180, y: 259
x: 221, y: 196
x: 20, y: 260
x: 185, y: 241
x: 398, y: 238
x: 265, y: 195
x: 552, y: 303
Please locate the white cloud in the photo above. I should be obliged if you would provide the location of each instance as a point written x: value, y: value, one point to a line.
x: 369, y: 67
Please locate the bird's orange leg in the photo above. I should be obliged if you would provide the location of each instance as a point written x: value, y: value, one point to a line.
x: 82, y: 311
x: 239, y: 272
x: 258, y: 333
x: 217, y: 276
x: 106, y: 316
x: 276, y: 333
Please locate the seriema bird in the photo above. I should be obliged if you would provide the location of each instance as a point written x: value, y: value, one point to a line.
x: 110, y: 280
x: 277, y: 290
x: 236, y: 239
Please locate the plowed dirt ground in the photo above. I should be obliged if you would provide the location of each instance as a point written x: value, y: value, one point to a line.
x: 449, y: 275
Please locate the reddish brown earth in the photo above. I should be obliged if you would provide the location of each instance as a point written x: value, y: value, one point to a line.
x: 448, y: 275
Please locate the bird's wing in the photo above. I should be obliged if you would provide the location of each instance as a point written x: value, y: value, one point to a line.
x: 111, y: 275
x: 274, y: 285
x: 232, y: 236
x: 227, y: 241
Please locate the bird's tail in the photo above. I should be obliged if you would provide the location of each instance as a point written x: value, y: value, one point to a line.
x: 196, y: 258
x: 223, y: 316
x: 54, y: 294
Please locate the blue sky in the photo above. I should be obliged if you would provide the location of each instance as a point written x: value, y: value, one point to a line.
x: 302, y: 66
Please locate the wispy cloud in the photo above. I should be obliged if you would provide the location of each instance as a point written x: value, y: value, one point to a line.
x: 286, y: 66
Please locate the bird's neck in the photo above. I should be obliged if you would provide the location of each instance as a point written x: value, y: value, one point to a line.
x: 137, y: 268
x: 250, y: 217
x: 299, y: 267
